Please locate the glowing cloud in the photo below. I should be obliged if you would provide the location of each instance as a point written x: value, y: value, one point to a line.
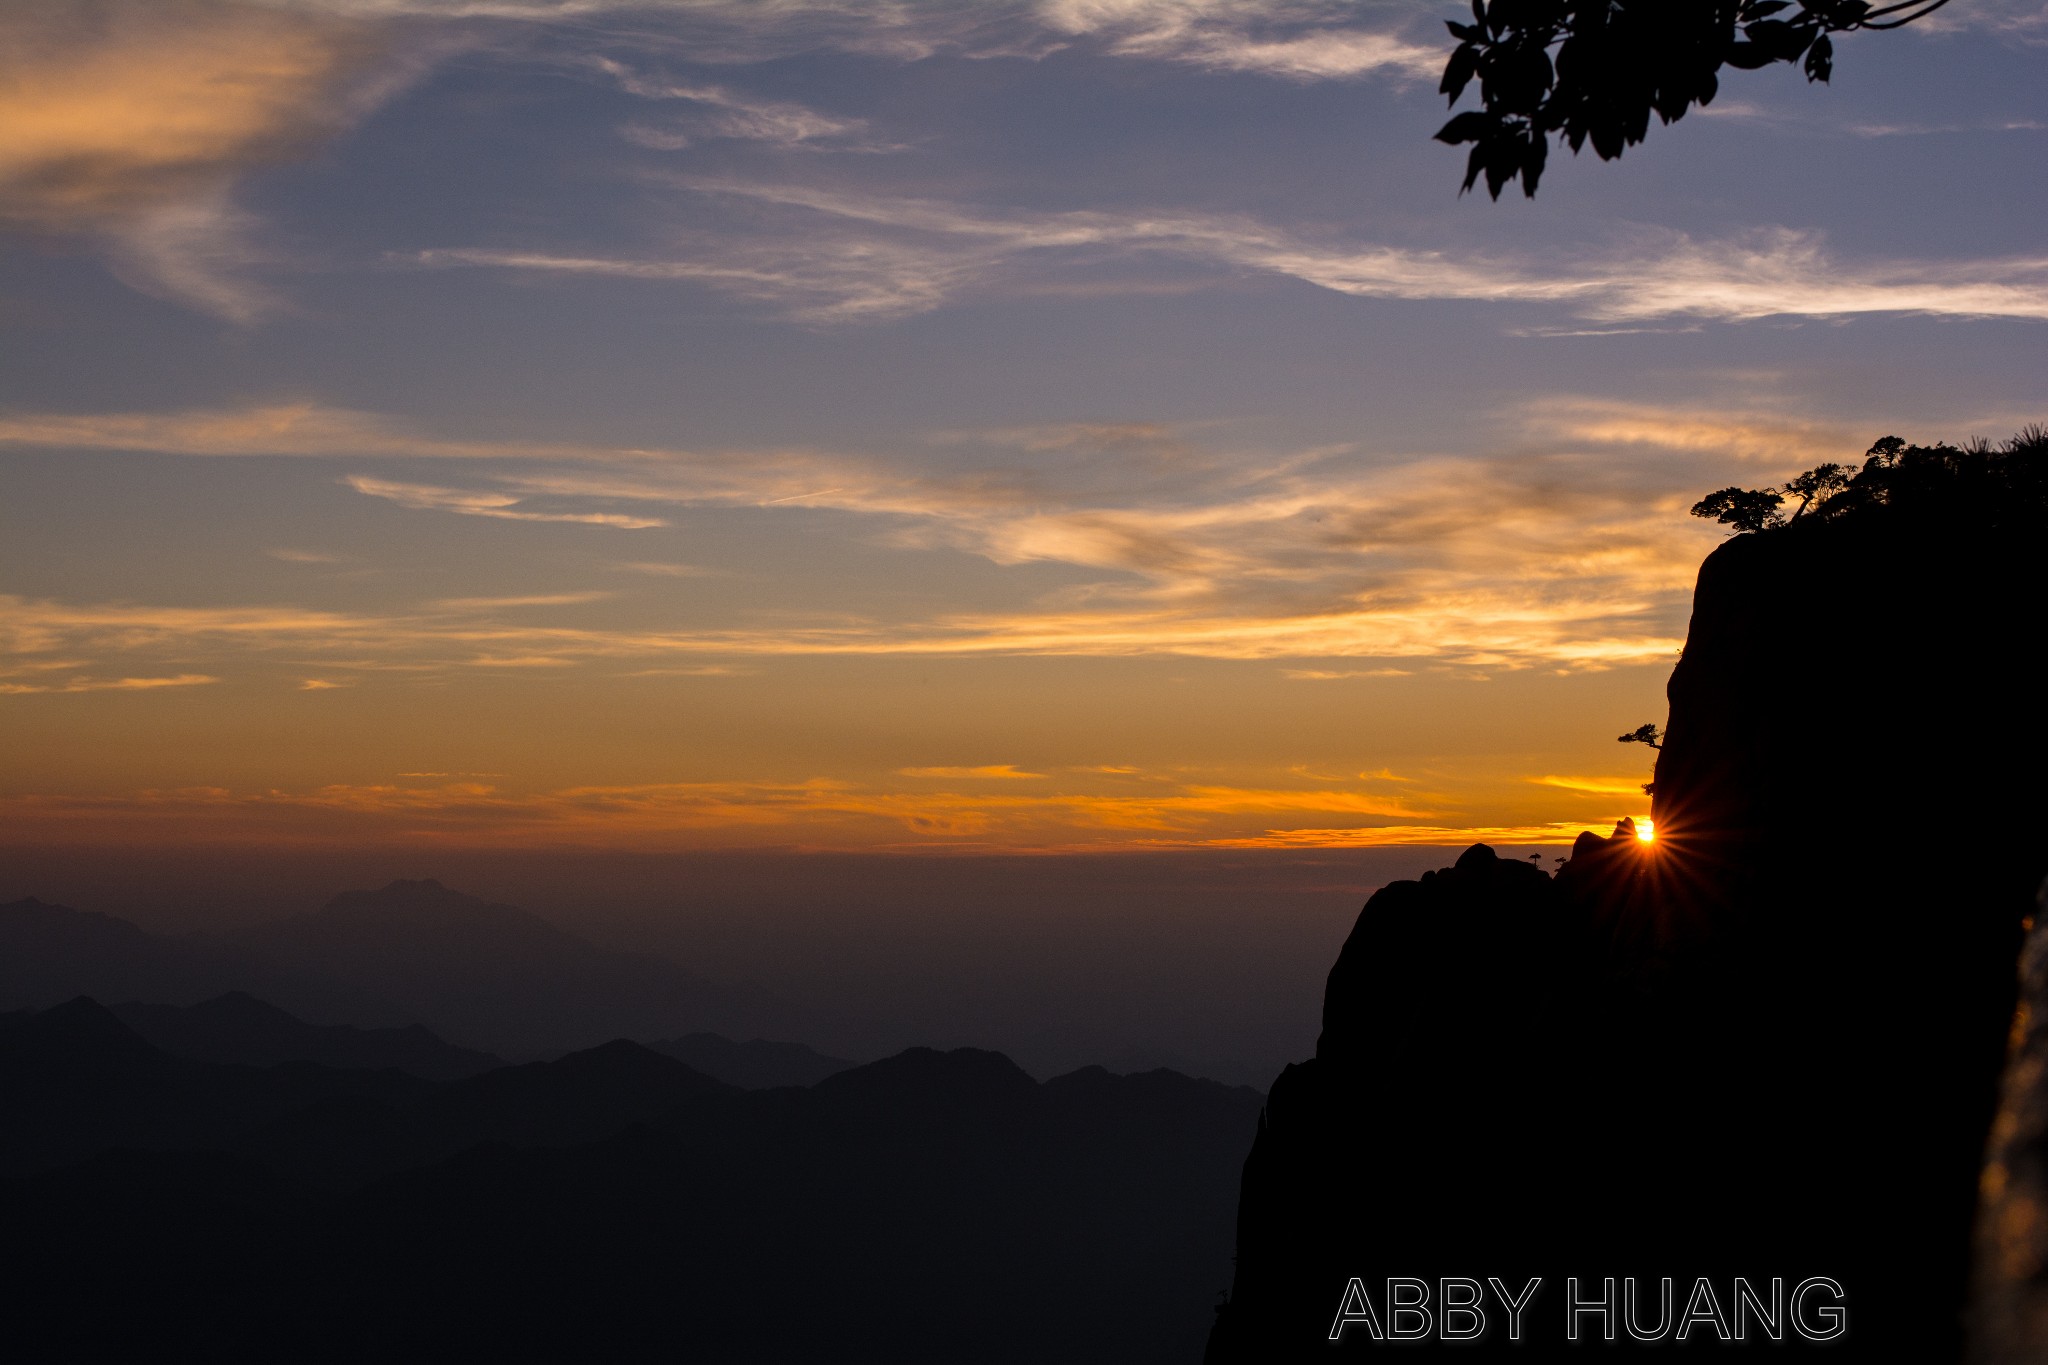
x: 655, y: 814
x: 108, y: 684
x: 1337, y: 674
x: 1557, y: 559
x: 422, y: 497
x: 130, y: 121
x: 1594, y: 786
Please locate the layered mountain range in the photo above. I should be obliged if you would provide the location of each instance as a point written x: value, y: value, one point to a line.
x: 613, y: 1204
x: 489, y: 977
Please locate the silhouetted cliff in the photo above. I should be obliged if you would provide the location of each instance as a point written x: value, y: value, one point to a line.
x: 1766, y: 1044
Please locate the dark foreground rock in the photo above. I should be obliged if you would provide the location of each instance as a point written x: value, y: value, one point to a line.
x: 1765, y: 1045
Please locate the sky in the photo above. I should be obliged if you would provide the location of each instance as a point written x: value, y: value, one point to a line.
x: 1016, y: 426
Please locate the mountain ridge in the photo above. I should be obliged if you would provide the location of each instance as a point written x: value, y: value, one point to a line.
x: 485, y: 977
x: 609, y: 1205
x: 237, y: 1027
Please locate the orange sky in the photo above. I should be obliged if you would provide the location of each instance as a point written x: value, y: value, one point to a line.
x: 829, y: 425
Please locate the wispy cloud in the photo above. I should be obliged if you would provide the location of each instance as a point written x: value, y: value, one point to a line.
x: 107, y: 684
x: 2018, y: 21
x: 653, y: 569
x: 553, y: 599
x: 1158, y: 441
x: 999, y: 771
x: 1295, y: 39
x: 1784, y: 439
x: 129, y: 123
x: 1594, y: 786
x: 826, y: 256
x: 1530, y: 594
x: 716, y: 111
x: 1558, y: 553
x: 1561, y: 832
x: 504, y: 506
x: 2006, y: 125
x: 303, y: 429
x: 737, y: 32
x: 201, y: 251
x: 1339, y: 674
x: 1299, y: 39
x: 690, y: 671
x: 1805, y: 120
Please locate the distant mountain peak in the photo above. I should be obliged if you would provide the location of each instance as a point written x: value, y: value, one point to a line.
x: 755, y: 1065
x: 412, y: 951
x: 408, y: 892
x: 927, y: 1074
x: 239, y: 1006
x: 239, y: 1028
x: 31, y: 911
x: 624, y: 1058
x: 83, y: 1012
x: 427, y: 901
x: 80, y: 1036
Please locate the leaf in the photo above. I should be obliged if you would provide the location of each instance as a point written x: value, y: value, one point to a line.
x: 1525, y: 79
x: 1498, y: 173
x: 1470, y: 126
x: 1820, y: 59
x: 1473, y: 165
x: 1458, y: 71
x: 1748, y: 57
x: 1781, y: 40
x: 1535, y: 153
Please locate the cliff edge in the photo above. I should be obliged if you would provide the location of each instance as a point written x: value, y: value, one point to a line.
x: 1765, y: 1045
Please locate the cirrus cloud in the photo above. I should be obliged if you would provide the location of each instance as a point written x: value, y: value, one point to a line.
x: 830, y: 256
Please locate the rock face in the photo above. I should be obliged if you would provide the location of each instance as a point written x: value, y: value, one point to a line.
x: 1767, y: 1044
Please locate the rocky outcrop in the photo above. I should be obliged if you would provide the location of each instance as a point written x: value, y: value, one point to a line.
x: 1765, y: 1045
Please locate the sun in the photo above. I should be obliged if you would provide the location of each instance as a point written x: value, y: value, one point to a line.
x: 1646, y: 831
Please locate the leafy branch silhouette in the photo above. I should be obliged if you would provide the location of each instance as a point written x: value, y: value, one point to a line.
x: 1596, y: 70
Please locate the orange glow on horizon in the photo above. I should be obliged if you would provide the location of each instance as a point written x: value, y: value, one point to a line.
x: 818, y: 812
